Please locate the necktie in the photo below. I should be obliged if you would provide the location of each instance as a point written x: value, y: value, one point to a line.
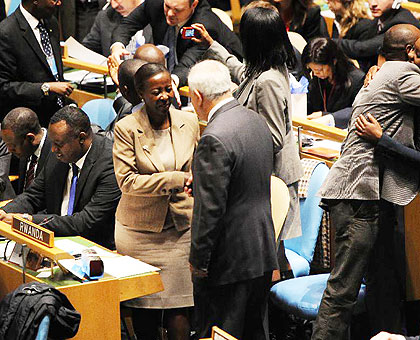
x: 46, y: 47
x: 30, y: 174
x: 171, y: 43
x: 75, y: 171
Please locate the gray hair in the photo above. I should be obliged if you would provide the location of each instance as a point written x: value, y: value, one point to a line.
x: 211, y: 78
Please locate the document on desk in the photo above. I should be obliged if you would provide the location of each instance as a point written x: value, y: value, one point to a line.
x: 77, y: 51
x: 123, y: 266
x: 115, y: 264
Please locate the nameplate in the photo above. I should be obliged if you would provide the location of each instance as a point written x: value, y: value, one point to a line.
x: 33, y: 231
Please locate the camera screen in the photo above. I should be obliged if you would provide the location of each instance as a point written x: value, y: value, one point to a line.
x: 189, y: 33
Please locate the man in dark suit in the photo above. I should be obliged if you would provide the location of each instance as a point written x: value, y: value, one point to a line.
x: 167, y: 17
x: 233, y: 249
x: 386, y: 13
x: 106, y: 21
x: 77, y: 186
x: 31, y: 71
x: 25, y: 139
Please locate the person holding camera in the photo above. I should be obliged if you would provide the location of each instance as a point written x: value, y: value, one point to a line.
x: 264, y: 88
x: 167, y: 18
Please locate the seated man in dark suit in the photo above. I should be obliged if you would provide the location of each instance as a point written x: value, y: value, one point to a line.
x: 77, y: 186
x: 386, y: 13
x: 25, y: 139
x: 31, y: 70
x: 106, y: 21
x: 233, y: 247
x: 167, y: 18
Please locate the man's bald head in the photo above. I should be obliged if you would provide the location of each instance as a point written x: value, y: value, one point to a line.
x: 126, y: 72
x: 398, y: 41
x: 150, y: 53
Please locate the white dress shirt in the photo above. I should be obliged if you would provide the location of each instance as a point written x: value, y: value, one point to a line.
x: 38, y: 150
x: 66, y: 192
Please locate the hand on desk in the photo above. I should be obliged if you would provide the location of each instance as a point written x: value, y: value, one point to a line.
x: 387, y: 336
x: 368, y: 128
x: 314, y: 115
x: 8, y: 217
x: 61, y: 88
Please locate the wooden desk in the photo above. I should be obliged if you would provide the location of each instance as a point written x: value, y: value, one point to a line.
x: 411, y: 6
x: 97, y: 301
x: 79, y: 96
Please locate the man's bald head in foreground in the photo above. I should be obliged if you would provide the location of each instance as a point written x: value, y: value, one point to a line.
x: 398, y: 41
x: 151, y: 54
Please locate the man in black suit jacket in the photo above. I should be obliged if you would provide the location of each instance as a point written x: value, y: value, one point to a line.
x: 25, y: 139
x: 233, y: 248
x: 26, y: 77
x: 386, y: 13
x: 167, y: 17
x: 96, y: 193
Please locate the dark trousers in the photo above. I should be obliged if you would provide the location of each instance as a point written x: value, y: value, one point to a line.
x: 239, y: 308
x: 364, y: 248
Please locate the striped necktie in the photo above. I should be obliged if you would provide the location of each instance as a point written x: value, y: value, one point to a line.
x: 30, y: 174
x: 47, y: 49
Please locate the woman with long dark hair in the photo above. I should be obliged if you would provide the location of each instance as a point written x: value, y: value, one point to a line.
x: 335, y: 81
x: 302, y: 16
x: 264, y: 87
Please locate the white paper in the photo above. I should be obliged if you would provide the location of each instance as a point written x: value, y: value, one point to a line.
x: 86, y: 77
x: 77, y: 51
x: 8, y: 250
x: 69, y: 246
x: 123, y: 266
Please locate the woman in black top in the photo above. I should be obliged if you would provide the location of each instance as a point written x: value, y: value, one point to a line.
x: 335, y: 81
x: 303, y: 17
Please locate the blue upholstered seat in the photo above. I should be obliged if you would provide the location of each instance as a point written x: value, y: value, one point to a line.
x: 302, y: 296
x: 300, y: 250
x: 100, y: 111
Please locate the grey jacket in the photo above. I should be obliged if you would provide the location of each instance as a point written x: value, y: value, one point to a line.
x: 268, y: 94
x: 392, y: 98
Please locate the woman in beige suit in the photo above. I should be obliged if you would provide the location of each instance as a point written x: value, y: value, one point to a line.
x: 264, y: 87
x: 153, y: 149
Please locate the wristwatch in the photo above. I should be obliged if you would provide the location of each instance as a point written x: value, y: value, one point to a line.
x: 45, y: 89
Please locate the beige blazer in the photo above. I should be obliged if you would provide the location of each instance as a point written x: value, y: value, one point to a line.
x: 148, y: 191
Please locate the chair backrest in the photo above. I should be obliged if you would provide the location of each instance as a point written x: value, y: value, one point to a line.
x: 297, y: 41
x: 43, y: 328
x: 280, y: 201
x: 310, y: 216
x: 224, y: 17
x: 100, y: 111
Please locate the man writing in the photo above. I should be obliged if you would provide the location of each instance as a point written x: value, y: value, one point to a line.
x: 233, y: 249
x: 25, y: 139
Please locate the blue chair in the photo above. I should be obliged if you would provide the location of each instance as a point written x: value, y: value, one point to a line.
x: 43, y: 328
x: 100, y: 111
x: 302, y: 296
x: 300, y: 250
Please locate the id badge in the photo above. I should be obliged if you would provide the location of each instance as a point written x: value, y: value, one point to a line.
x: 53, y: 66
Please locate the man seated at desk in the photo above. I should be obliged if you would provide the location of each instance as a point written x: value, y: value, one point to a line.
x: 25, y: 139
x: 76, y: 188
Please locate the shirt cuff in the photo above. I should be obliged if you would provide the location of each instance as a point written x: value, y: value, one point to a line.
x: 175, y: 78
x: 116, y: 44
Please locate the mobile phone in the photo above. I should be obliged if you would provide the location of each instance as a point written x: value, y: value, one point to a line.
x: 189, y: 32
